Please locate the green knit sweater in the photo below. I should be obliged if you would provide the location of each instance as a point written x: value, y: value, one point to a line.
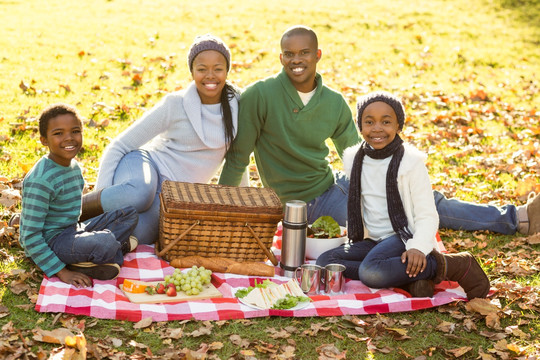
x: 51, y: 202
x: 288, y: 138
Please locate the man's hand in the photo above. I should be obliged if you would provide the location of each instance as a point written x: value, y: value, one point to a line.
x: 74, y: 278
x: 416, y: 261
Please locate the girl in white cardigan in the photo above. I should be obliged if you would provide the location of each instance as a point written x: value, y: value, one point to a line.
x: 182, y: 138
x: 392, y: 218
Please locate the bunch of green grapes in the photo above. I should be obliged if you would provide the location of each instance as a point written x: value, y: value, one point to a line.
x: 190, y: 282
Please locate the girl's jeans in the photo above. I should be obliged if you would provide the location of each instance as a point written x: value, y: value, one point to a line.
x: 137, y: 183
x: 97, y: 240
x: 453, y: 214
x: 377, y: 264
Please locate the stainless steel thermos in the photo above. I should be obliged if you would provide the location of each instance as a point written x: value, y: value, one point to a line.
x: 293, y: 245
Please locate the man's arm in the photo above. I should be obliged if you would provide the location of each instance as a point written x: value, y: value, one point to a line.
x: 250, y: 120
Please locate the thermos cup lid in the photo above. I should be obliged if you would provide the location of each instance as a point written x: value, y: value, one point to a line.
x: 295, y: 212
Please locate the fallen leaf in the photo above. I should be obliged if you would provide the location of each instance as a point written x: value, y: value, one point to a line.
x: 144, y: 323
x: 459, y: 352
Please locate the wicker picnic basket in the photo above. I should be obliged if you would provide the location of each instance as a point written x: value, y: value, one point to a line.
x: 238, y: 223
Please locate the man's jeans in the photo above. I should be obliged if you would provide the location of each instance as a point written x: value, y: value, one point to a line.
x: 453, y: 214
x: 97, y: 240
x: 377, y: 264
x: 137, y: 183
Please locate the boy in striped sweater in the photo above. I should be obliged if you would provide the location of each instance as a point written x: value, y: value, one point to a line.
x: 50, y: 231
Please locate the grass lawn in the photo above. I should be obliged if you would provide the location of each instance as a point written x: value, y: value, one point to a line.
x: 469, y: 75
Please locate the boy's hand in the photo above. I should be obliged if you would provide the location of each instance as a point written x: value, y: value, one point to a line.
x: 416, y: 261
x: 74, y: 278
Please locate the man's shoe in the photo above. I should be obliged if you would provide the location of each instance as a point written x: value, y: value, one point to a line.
x: 533, y: 213
x: 129, y: 245
x: 96, y: 271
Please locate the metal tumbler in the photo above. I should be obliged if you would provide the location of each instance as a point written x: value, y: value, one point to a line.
x: 293, y: 246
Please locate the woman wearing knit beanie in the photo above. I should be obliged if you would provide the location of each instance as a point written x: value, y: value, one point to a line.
x: 182, y: 138
x: 390, y: 196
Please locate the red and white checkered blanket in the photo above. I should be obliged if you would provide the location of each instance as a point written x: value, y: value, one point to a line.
x: 105, y: 300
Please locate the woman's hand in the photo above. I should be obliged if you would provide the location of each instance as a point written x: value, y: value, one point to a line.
x: 74, y: 278
x: 416, y: 261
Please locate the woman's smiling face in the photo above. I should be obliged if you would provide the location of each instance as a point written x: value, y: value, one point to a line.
x: 379, y: 124
x: 209, y: 73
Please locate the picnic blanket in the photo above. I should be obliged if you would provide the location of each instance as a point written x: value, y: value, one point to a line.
x: 105, y: 300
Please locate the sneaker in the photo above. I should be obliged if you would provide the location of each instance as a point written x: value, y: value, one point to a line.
x: 129, y: 245
x: 14, y: 220
x: 96, y: 271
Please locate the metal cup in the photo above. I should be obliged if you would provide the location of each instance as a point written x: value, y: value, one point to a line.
x: 309, y: 279
x: 333, y: 279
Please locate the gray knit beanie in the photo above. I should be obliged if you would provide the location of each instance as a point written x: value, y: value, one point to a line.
x: 208, y: 42
x: 385, y: 97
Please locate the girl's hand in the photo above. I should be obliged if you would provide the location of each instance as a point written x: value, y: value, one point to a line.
x: 74, y: 278
x: 416, y: 261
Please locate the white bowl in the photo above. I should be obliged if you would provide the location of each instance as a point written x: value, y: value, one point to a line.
x: 315, y: 246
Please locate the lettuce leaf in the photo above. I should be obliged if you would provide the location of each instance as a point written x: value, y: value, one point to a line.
x: 289, y: 302
x: 326, y: 227
x: 243, y: 292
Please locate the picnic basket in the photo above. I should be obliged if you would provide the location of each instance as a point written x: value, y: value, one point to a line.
x: 209, y: 220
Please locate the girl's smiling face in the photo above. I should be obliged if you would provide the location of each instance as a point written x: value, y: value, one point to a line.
x: 209, y: 73
x: 379, y: 124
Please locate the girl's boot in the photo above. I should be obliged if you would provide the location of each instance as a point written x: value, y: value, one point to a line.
x: 91, y: 205
x: 464, y: 269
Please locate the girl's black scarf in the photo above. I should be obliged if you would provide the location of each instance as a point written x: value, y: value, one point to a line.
x: 395, y: 206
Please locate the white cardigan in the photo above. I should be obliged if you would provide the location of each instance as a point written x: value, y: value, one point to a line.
x: 185, y: 140
x: 416, y: 194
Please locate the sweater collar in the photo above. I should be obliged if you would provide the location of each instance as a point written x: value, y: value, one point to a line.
x: 293, y: 93
x: 192, y: 106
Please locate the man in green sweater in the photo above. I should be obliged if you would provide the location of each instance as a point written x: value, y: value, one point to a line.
x: 285, y: 121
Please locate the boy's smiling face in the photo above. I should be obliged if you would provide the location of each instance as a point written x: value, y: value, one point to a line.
x: 64, y: 138
x: 299, y: 57
x: 379, y: 124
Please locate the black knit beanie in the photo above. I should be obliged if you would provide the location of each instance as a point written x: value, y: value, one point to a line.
x: 208, y: 42
x: 383, y: 96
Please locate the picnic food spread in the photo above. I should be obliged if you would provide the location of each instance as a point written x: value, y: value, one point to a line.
x: 191, y: 285
x: 269, y: 295
x: 224, y: 265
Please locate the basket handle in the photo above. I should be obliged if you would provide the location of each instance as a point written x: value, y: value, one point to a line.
x: 268, y: 253
x: 172, y: 243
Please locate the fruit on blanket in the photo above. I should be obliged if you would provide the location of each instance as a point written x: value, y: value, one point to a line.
x: 150, y: 290
x: 160, y: 288
x: 134, y: 286
x: 190, y: 282
x: 171, y: 291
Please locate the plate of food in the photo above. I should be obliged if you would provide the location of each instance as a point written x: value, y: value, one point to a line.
x: 269, y: 295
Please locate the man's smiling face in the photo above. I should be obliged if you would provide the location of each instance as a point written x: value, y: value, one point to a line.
x: 299, y: 57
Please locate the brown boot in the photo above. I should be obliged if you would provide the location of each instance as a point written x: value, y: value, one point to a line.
x: 91, y: 205
x: 464, y: 269
x: 420, y: 288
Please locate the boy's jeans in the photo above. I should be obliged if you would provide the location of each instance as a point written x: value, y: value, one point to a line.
x: 97, y: 240
x: 453, y: 214
x: 137, y: 183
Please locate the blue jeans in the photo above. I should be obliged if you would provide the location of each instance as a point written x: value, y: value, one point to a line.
x: 333, y: 202
x: 453, y: 214
x: 97, y: 240
x: 137, y: 183
x: 377, y: 264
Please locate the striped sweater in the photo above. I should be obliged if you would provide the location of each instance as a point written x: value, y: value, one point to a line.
x: 51, y: 202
